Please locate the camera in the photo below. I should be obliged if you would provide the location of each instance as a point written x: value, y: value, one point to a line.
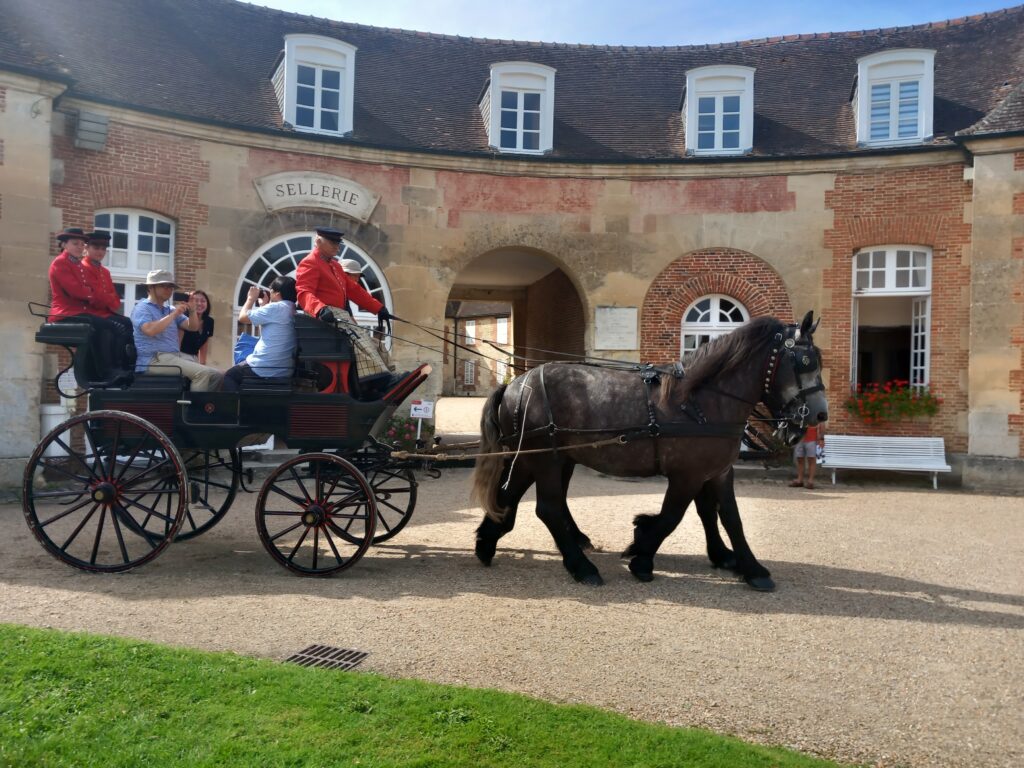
x: 179, y: 296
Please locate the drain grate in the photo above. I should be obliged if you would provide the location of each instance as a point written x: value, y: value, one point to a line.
x: 328, y: 657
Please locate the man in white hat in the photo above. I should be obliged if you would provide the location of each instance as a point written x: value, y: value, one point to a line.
x: 156, y: 334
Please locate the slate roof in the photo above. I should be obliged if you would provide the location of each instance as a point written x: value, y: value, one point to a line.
x: 211, y: 61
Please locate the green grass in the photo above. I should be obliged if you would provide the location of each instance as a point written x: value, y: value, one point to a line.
x: 83, y: 700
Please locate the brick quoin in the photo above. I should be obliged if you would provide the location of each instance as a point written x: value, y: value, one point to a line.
x: 143, y: 170
x: 738, y: 274
x: 914, y: 206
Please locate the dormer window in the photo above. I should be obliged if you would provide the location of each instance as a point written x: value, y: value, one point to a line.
x: 315, y: 83
x: 518, y: 107
x: 718, y: 112
x: 894, y: 97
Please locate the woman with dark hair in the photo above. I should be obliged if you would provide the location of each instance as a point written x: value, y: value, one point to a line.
x: 194, y: 342
x: 275, y: 350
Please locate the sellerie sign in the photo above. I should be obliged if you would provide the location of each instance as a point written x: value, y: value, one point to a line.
x: 298, y: 189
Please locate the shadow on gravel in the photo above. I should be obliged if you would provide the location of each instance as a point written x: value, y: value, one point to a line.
x: 197, y: 570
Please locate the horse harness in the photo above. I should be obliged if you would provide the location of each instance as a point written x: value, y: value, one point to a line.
x: 695, y: 424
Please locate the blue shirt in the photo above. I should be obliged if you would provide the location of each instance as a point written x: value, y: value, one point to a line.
x: 147, y: 346
x: 275, y: 351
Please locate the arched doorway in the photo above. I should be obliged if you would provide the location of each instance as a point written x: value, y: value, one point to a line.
x: 510, y: 309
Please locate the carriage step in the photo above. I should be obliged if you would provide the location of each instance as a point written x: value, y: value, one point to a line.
x: 328, y: 657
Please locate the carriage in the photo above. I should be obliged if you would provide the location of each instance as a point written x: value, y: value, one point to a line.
x: 150, y: 462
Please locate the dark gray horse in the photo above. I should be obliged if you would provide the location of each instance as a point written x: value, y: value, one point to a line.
x: 685, y: 428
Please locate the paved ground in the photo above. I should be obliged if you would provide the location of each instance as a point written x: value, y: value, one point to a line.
x: 895, y: 637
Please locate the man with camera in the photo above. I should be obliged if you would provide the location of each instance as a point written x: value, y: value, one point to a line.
x: 156, y: 334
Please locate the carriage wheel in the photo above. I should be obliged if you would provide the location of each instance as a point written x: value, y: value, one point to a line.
x: 104, y: 491
x: 316, y: 514
x: 395, y: 493
x: 213, y: 482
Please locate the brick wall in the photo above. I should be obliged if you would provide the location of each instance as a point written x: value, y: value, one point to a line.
x: 138, y: 169
x: 554, y: 319
x: 733, y: 273
x: 917, y: 206
x: 1017, y: 332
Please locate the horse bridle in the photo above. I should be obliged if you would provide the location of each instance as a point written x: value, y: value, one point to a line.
x: 804, y: 358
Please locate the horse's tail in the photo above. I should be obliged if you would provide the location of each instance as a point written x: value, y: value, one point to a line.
x: 489, y: 469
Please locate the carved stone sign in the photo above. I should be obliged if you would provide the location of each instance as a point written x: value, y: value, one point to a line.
x: 310, y: 189
x: 615, y: 328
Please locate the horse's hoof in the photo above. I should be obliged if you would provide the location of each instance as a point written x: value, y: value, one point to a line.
x: 591, y: 580
x: 485, y: 551
x: 761, y: 583
x: 644, y: 571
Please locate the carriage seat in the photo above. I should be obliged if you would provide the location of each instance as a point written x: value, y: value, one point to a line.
x: 256, y: 384
x: 90, y: 371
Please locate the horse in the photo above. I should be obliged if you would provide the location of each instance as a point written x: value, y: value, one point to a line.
x: 683, y: 424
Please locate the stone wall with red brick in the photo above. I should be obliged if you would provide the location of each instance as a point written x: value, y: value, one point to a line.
x: 737, y: 274
x: 1017, y: 332
x: 918, y: 206
x: 140, y: 169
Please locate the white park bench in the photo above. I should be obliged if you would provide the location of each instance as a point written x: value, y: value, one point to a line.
x: 905, y: 454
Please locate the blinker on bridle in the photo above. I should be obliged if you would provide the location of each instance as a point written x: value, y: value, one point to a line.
x: 785, y: 345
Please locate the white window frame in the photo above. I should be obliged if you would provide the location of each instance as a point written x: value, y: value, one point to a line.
x: 893, y: 68
x: 468, y: 373
x: 691, y: 332
x: 129, y: 266
x: 501, y: 330
x: 520, y: 78
x: 884, y: 263
x: 320, y: 53
x: 469, y: 332
x: 718, y: 83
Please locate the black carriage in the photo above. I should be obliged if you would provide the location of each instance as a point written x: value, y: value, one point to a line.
x: 150, y: 462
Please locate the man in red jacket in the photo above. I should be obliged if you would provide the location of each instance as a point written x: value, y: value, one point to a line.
x: 74, y: 299
x: 106, y: 303
x: 324, y: 291
x: 323, y: 287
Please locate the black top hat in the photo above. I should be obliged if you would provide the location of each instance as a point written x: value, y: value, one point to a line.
x: 71, y: 233
x: 330, y: 233
x: 99, y: 237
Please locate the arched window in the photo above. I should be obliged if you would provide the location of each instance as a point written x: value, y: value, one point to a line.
x: 139, y: 242
x: 708, y: 317
x: 282, y: 256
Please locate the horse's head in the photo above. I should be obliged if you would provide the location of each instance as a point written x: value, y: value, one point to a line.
x: 792, y: 381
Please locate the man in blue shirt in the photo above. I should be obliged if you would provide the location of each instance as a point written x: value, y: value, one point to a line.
x: 275, y: 351
x: 156, y: 334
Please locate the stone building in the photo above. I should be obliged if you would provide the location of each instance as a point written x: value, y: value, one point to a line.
x: 628, y: 202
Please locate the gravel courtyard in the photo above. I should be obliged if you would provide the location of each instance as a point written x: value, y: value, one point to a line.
x: 894, y: 638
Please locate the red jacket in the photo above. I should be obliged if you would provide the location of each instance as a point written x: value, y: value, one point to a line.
x: 70, y: 290
x: 320, y: 284
x: 105, y: 301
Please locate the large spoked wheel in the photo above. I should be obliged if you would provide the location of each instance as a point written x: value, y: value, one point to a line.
x: 395, y: 493
x: 316, y: 514
x: 393, y: 488
x: 105, y: 491
x: 213, y: 479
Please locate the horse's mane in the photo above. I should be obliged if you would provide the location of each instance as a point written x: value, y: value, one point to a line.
x: 719, y: 357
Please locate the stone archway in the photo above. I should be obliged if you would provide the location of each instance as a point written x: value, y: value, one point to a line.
x: 741, y: 275
x: 546, y: 318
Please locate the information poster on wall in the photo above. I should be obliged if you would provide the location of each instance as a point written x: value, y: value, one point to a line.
x: 615, y: 328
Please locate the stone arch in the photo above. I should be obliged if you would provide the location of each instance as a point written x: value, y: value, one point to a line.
x: 741, y: 275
